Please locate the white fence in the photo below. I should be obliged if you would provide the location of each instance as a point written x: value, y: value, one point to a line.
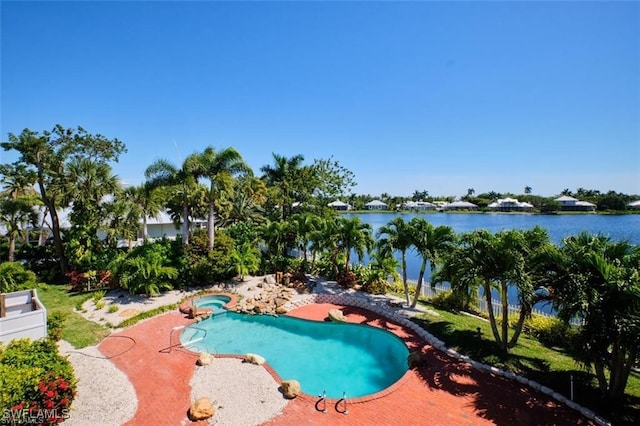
x: 22, y: 315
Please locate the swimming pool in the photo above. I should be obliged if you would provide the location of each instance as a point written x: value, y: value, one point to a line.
x: 214, y: 302
x: 323, y: 356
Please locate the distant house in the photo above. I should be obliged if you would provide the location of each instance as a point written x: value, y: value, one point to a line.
x: 376, y: 205
x: 510, y: 205
x: 460, y: 205
x: 339, y: 205
x: 568, y: 203
x: 162, y: 226
x: 418, y: 205
x: 635, y: 205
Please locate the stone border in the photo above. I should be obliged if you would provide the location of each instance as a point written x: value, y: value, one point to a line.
x: 403, y: 318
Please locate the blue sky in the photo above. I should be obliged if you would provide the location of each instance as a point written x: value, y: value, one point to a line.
x: 437, y: 96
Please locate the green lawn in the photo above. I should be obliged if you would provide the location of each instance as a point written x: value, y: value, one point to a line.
x: 77, y: 330
x: 552, y: 367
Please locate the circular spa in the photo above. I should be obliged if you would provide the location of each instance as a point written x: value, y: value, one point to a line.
x: 356, y: 359
x: 214, y: 302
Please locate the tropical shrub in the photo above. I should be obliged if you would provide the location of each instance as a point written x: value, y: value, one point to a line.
x: 246, y: 259
x: 347, y: 279
x: 13, y: 277
x: 203, y: 267
x: 549, y: 331
x: 89, y: 280
x: 448, y: 300
x: 375, y: 286
x: 35, y: 381
x: 55, y: 322
x: 148, y: 269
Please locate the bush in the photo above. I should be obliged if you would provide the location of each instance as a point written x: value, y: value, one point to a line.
x: 88, y: 281
x: 449, y: 301
x: 36, y: 377
x: 549, y: 331
x: 55, y: 322
x: 202, y: 267
x: 375, y: 287
x: 347, y: 279
x: 13, y: 277
x: 148, y: 269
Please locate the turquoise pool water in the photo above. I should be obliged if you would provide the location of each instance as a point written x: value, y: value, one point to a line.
x: 215, y: 302
x: 333, y: 357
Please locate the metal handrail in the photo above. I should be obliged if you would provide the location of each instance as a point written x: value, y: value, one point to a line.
x: 181, y: 327
x: 344, y: 401
x: 323, y: 400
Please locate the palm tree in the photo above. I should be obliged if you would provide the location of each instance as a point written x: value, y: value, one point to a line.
x: 15, y: 215
x: 247, y: 259
x: 164, y: 174
x: 147, y: 199
x: 276, y: 236
x: 353, y: 234
x: 249, y: 194
x: 304, y: 224
x: 219, y: 168
x: 527, y: 189
x: 397, y: 235
x: 88, y: 187
x: 284, y: 176
x: 430, y: 242
x: 597, y: 281
x: 495, y: 261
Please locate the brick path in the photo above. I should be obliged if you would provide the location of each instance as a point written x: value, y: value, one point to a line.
x: 448, y: 392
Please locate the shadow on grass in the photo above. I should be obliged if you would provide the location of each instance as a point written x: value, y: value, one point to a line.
x: 576, y: 384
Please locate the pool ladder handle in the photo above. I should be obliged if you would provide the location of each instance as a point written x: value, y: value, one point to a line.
x: 180, y: 327
x: 323, y: 401
x: 344, y: 402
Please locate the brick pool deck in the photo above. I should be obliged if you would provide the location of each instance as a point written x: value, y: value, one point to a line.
x: 447, y: 392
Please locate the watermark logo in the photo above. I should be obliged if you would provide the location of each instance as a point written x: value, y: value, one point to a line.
x: 25, y: 416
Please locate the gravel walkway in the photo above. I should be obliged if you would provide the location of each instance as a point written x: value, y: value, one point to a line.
x: 105, y: 396
x: 243, y: 394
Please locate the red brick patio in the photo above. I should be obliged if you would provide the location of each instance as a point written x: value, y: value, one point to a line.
x: 448, y: 392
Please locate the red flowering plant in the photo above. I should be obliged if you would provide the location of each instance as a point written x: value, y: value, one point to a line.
x: 50, y: 401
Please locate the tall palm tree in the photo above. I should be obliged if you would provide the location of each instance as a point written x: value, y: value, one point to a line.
x: 496, y: 261
x: 16, y: 215
x: 353, y: 234
x: 162, y: 173
x: 430, y: 242
x: 304, y: 224
x: 397, y: 235
x: 218, y: 167
x: 148, y: 202
x: 284, y: 176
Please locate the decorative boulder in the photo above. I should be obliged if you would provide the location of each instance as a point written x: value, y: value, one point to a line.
x: 201, y: 409
x: 269, y: 279
x: 336, y: 315
x: 204, y: 359
x: 254, y: 359
x: 416, y: 360
x: 290, y: 388
x: 280, y: 310
x: 193, y: 312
